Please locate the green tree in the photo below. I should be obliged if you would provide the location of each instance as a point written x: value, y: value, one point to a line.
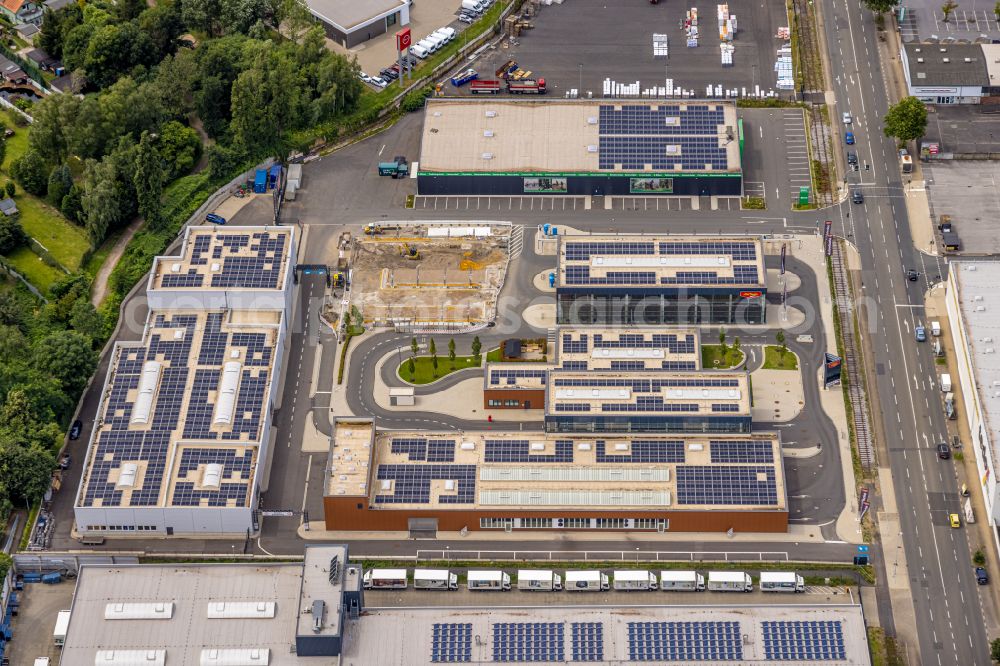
x: 25, y: 472
x: 414, y: 347
x: 906, y: 120
x: 55, y: 26
x: 60, y: 182
x: 947, y: 8
x: 202, y: 15
x: 12, y: 235
x: 242, y: 15
x: 995, y: 649
x: 736, y: 345
x: 432, y: 348
x: 722, y: 339
x: 85, y: 319
x: 979, y: 557
x: 75, y: 45
x: 880, y: 6
x: 71, y: 205
x: 996, y: 10
x: 451, y: 352
x: 779, y: 337
x: 10, y: 188
x: 31, y: 172
x: 477, y: 346
x: 67, y: 357
x: 148, y: 180
x: 115, y: 50
x: 434, y: 362
x: 54, y: 117
x: 128, y: 10
x: 347, y: 322
x: 411, y: 367
x: 180, y: 148
x: 162, y: 23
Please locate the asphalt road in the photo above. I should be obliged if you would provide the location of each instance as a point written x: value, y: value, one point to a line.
x: 948, y: 603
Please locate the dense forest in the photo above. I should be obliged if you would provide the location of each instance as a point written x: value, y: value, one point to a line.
x: 184, y: 90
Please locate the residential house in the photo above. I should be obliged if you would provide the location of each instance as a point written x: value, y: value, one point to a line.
x: 21, y: 11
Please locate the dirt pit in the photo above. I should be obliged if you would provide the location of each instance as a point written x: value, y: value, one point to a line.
x: 419, y: 274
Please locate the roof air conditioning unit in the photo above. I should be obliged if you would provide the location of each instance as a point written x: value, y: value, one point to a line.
x: 591, y: 120
x: 488, y: 133
x: 591, y: 148
x: 487, y: 156
x: 491, y: 114
x: 945, y: 59
x: 920, y: 59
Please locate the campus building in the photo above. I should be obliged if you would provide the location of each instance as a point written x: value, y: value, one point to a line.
x: 647, y: 402
x: 579, y: 147
x: 426, y: 481
x: 352, y: 22
x: 653, y: 280
x: 183, y: 430
x: 317, y: 613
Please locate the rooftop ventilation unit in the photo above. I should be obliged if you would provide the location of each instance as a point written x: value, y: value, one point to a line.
x: 127, y: 475
x: 225, y: 404
x: 488, y: 133
x: 491, y: 114
x: 487, y: 156
x: 147, y: 388
x: 212, y: 477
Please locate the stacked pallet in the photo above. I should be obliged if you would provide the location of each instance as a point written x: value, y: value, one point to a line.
x: 691, y: 27
x: 661, y: 46
x: 727, y: 54
x: 783, y: 68
x: 727, y: 24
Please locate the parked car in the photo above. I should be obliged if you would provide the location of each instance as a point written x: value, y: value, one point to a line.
x: 857, y: 197
x: 364, y: 77
x: 981, y: 576
x: 379, y: 82
x: 75, y: 430
x: 213, y: 218
x: 903, y: 152
x: 849, y: 138
x: 943, y: 452
x: 465, y: 18
x: 847, y: 118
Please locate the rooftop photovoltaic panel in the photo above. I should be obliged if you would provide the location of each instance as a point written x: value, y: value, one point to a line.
x: 747, y: 451
x: 529, y: 641
x: 227, y: 259
x: 729, y: 485
x: 685, y: 641
x: 451, y: 643
x: 804, y: 640
x: 643, y: 451
x: 519, y: 450
x: 665, y: 119
x: 411, y: 484
x: 588, y: 641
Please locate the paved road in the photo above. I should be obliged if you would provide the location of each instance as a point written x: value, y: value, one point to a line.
x: 948, y: 603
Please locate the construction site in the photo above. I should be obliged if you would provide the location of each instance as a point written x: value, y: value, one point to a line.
x: 437, y: 274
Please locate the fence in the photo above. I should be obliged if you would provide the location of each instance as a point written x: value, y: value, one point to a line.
x: 9, y: 105
x: 66, y: 562
x: 10, y: 271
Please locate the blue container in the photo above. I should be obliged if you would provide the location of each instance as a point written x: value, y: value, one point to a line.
x: 555, y: 231
x: 52, y: 578
x: 260, y: 181
x: 31, y: 577
x: 275, y: 175
x: 545, y: 228
x: 552, y: 279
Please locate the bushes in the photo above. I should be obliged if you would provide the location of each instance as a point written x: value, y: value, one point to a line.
x: 12, y: 236
x: 32, y: 173
x: 415, y: 100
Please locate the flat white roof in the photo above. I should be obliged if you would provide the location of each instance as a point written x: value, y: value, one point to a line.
x: 349, y: 15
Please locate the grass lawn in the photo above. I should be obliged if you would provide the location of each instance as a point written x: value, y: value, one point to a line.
x: 31, y: 266
x: 712, y: 356
x: 424, y: 368
x: 775, y: 360
x: 17, y: 144
x: 65, y: 241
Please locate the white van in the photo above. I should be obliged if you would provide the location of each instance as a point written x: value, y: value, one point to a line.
x: 384, y: 579
x: 681, y: 581
x: 781, y: 581
x: 446, y: 32
x: 536, y: 580
x: 419, y: 51
x: 437, y: 40
x: 488, y: 580
x: 586, y: 581
x: 946, y: 383
x: 628, y: 580
x: 936, y: 328
x: 428, y: 44
x: 434, y: 579
x: 472, y: 6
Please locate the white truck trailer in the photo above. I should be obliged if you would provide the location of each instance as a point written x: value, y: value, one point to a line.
x: 487, y: 580
x: 781, y: 581
x: 681, y: 581
x: 729, y: 581
x: 384, y: 579
x: 62, y: 626
x: 434, y: 579
x: 627, y: 580
x: 539, y: 580
x: 586, y: 581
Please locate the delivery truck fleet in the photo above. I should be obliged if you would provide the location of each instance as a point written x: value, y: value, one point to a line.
x: 588, y: 580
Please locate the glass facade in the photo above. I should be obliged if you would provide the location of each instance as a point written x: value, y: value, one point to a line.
x: 646, y: 423
x: 619, y: 308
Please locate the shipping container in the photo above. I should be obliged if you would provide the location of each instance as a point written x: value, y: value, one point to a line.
x: 260, y: 181
x: 681, y: 581
x: 485, y: 87
x: 462, y: 78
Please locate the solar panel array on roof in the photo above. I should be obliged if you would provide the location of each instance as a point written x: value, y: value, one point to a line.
x: 588, y: 641
x: 644, y: 385
x: 644, y: 403
x: 529, y: 641
x: 665, y: 119
x: 190, y: 279
x: 684, y: 641
x: 519, y: 450
x: 419, y: 449
x: 670, y: 341
x: 510, y: 377
x: 666, y: 153
x: 412, y: 483
x: 232, y: 487
x: 738, y: 250
x: 804, y: 640
x: 261, y: 270
x: 726, y: 484
x: 451, y: 643
x: 741, y: 451
x: 579, y: 251
x: 643, y: 451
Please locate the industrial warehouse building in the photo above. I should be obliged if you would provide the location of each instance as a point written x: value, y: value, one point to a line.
x: 425, y: 481
x: 317, y: 613
x: 654, y: 280
x: 511, y: 147
x: 184, y: 424
x: 974, y: 319
x: 352, y: 22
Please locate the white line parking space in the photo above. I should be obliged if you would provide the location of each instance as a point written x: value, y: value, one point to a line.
x: 664, y: 203
x: 796, y: 151
x: 543, y: 203
x: 754, y: 188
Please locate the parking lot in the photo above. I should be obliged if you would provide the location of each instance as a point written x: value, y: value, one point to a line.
x: 923, y: 20
x: 969, y: 192
x: 580, y: 43
x: 963, y: 129
x: 35, y: 621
